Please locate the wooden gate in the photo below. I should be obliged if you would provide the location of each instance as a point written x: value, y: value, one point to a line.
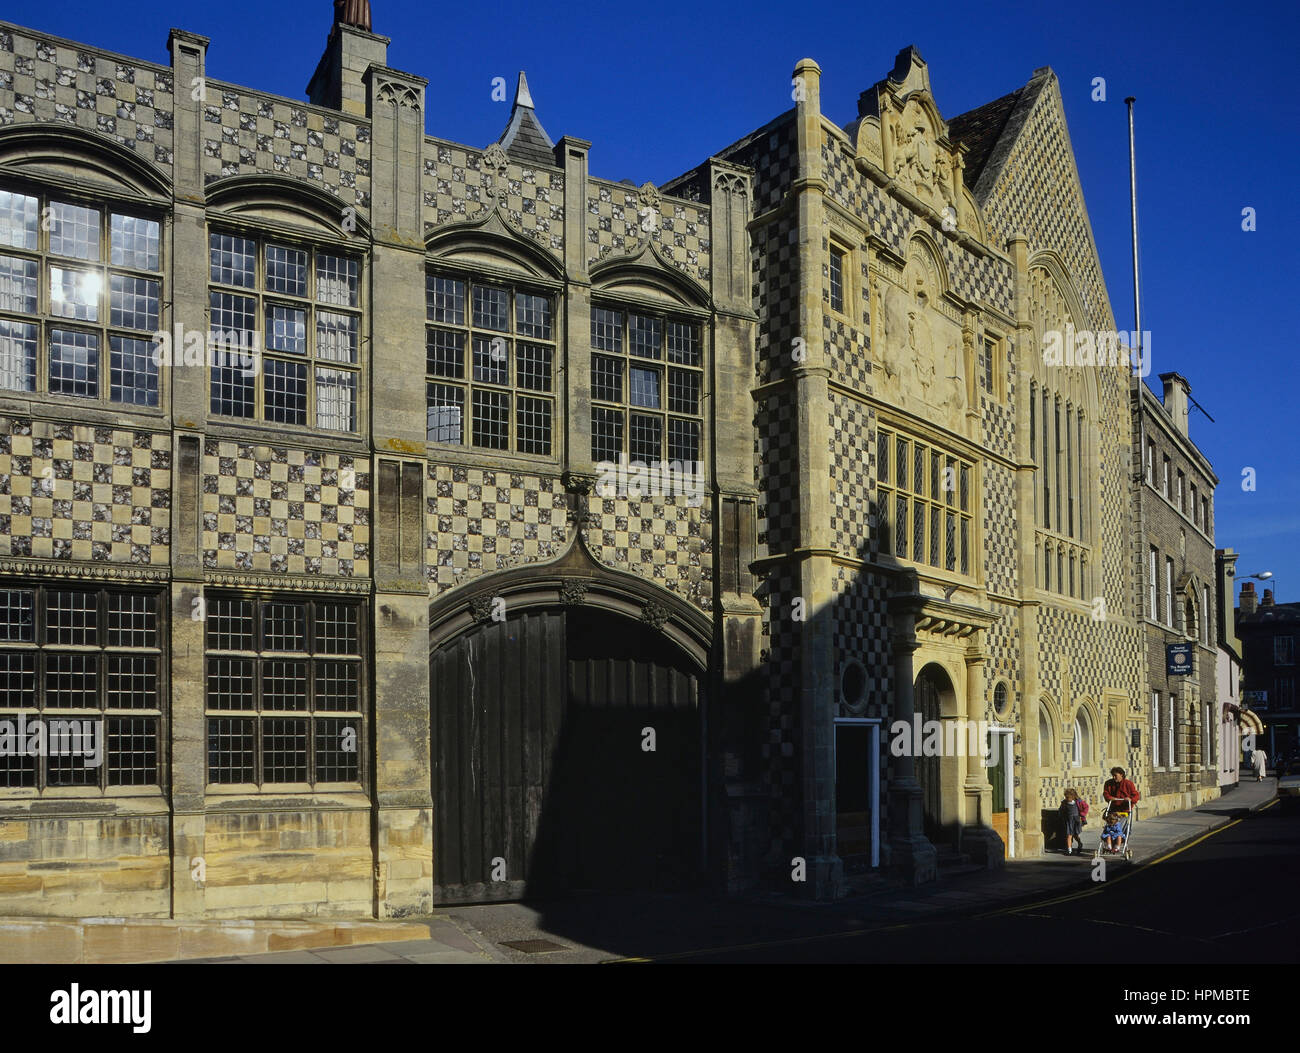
x: 543, y: 779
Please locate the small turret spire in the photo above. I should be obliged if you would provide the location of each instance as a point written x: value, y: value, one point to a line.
x: 524, y: 138
x: 523, y: 97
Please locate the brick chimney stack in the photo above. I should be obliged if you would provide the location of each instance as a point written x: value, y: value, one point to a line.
x: 1177, y: 393
x: 1268, y: 598
x: 1248, y: 598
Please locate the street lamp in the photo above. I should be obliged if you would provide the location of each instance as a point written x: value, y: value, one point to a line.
x: 1263, y: 575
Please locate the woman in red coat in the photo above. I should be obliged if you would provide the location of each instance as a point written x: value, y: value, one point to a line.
x: 1120, y: 791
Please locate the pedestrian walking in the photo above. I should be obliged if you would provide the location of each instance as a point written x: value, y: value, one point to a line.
x: 1259, y: 760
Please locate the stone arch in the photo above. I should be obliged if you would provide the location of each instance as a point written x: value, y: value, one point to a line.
x: 44, y: 151
x: 937, y: 703
x: 527, y: 710
x: 263, y: 197
x: 491, y: 246
x: 576, y: 578
x: 925, y: 257
x: 1048, y: 732
x: 1087, y: 718
x: 645, y: 273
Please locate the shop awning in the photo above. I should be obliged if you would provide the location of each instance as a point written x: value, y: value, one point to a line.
x: 1250, y: 722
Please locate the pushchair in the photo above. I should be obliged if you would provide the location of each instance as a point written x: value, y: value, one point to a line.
x: 1126, y: 823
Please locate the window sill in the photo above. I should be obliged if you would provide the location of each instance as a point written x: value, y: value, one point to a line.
x: 84, y: 411
x: 70, y: 800
x: 278, y: 434
x: 475, y: 457
x: 244, y: 798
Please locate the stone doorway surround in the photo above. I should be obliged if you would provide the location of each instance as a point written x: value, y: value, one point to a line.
x: 930, y: 630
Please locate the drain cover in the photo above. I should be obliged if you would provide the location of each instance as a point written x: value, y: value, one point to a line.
x: 533, y: 946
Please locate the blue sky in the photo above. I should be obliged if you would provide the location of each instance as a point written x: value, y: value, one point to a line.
x: 655, y: 92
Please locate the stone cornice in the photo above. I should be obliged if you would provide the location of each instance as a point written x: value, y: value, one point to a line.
x: 85, y: 571
x: 296, y: 583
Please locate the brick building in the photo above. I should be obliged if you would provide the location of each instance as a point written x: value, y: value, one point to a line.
x: 361, y: 637
x: 1268, y: 632
x: 1179, y: 575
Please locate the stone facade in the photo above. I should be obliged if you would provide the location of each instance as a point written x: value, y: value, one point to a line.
x: 909, y: 273
x: 314, y: 512
x: 246, y: 575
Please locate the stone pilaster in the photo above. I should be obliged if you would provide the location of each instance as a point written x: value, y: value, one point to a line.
x: 730, y: 466
x: 571, y: 155
x: 185, y: 389
x: 978, y: 838
x: 403, y: 817
x: 814, y: 551
x: 1030, y: 834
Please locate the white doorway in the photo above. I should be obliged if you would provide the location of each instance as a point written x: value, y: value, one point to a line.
x: 1002, y: 780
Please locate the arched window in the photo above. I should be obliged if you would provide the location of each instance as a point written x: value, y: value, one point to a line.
x: 1062, y: 394
x: 1046, y: 740
x: 1084, y: 743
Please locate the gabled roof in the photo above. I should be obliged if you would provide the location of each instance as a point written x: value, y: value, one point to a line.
x: 524, y: 138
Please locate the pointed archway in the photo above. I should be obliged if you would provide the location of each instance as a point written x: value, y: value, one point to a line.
x: 568, y: 717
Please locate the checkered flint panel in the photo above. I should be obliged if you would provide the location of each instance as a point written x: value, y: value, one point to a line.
x: 130, y: 103
x: 618, y: 220
x: 456, y: 184
x: 284, y: 510
x: 84, y: 493
x: 852, y: 482
x: 780, y: 760
x: 664, y: 539
x: 245, y: 132
x: 776, y: 471
x: 480, y: 520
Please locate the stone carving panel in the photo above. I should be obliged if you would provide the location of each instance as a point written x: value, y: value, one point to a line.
x: 921, y: 348
x: 921, y: 164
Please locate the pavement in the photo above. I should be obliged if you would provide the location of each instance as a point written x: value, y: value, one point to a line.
x: 632, y: 927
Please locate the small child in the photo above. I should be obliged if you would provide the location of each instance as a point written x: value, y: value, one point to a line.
x: 1112, y: 833
x: 1072, y: 820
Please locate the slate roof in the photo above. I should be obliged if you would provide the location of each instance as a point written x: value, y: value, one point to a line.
x: 980, y: 130
x: 524, y: 138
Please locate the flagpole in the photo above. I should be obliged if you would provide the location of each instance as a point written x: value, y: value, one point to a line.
x: 1132, y: 189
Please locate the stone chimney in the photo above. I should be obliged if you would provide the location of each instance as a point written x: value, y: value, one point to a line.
x: 1248, y: 598
x: 1267, y: 601
x: 1177, y: 391
x: 339, y: 80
